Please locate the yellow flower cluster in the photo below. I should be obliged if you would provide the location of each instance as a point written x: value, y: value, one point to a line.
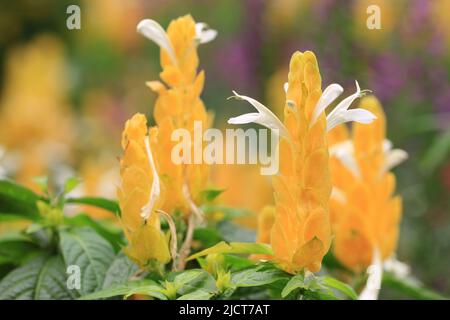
x: 301, y: 234
x: 137, y: 167
x: 364, y: 211
x: 178, y: 106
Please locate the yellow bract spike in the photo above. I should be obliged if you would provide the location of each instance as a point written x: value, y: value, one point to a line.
x: 146, y: 242
x: 366, y: 215
x: 301, y: 233
x: 179, y: 106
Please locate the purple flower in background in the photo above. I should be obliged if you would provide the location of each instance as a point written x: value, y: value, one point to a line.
x: 387, y: 75
x: 237, y: 61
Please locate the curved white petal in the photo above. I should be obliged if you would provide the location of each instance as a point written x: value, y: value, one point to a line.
x: 264, y: 117
x: 155, y: 190
x: 338, y: 195
x: 399, y: 269
x: 328, y: 96
x: 387, y: 145
x: 286, y: 87
x: 342, y: 116
x: 393, y: 158
x: 203, y: 33
x: 152, y: 30
x: 373, y: 285
x: 344, y: 152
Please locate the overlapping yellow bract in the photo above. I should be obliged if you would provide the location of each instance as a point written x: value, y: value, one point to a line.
x: 365, y: 213
x: 178, y: 106
x: 301, y: 233
x: 146, y: 242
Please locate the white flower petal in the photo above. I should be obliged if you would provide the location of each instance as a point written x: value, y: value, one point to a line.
x: 153, y: 31
x: 264, y: 117
x: 338, y: 195
x: 203, y: 33
x: 393, y: 158
x: 286, y: 87
x: 342, y: 116
x: 373, y: 285
x: 244, y: 119
x: 387, y: 145
x: 344, y: 152
x: 328, y: 96
x: 399, y: 269
x: 155, y: 190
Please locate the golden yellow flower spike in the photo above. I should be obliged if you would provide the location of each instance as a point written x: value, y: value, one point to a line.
x: 301, y: 233
x: 140, y: 195
x: 179, y: 105
x: 371, y: 213
x: 366, y: 214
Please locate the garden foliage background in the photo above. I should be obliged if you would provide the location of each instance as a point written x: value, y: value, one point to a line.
x: 65, y: 95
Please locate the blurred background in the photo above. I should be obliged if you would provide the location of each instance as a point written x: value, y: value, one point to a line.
x: 65, y: 94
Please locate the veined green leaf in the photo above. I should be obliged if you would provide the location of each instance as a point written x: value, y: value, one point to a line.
x: 17, y: 199
x: 197, y: 295
x: 254, y: 277
x: 90, y: 252
x: 144, y: 287
x: 17, y: 251
x: 111, y: 233
x: 42, y: 278
x: 236, y: 248
x: 340, y: 286
x: 102, y: 203
x: 194, y: 279
x: 296, y: 282
x: 120, y: 271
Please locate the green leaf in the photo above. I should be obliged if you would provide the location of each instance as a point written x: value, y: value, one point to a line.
x: 197, y: 295
x: 17, y: 199
x: 120, y: 271
x: 11, y: 217
x: 410, y: 288
x: 93, y: 254
x: 207, y: 236
x: 111, y: 233
x: 236, y: 248
x: 211, y: 194
x: 257, y: 276
x: 71, y: 184
x: 192, y: 280
x: 339, y: 286
x: 144, y: 287
x: 17, y: 251
x: 102, y: 203
x: 42, y: 278
x: 436, y: 153
x: 296, y: 282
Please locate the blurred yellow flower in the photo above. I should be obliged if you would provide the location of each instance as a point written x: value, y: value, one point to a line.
x: 179, y: 105
x: 140, y: 194
x: 366, y: 213
x: 36, y: 126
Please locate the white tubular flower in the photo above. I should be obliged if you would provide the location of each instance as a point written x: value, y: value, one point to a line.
x: 153, y: 31
x: 344, y: 152
x: 373, y: 285
x: 155, y: 190
x: 340, y: 113
x: 264, y: 116
x: 393, y: 157
x: 328, y: 96
x: 203, y: 33
x: 400, y: 269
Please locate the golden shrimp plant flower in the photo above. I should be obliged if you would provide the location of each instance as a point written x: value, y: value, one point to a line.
x: 366, y: 213
x: 179, y: 105
x: 301, y: 233
x: 140, y: 194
